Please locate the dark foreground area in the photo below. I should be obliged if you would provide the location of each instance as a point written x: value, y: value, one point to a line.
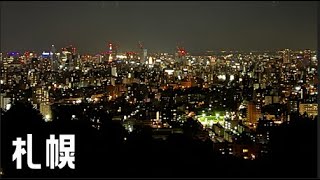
x: 113, y: 152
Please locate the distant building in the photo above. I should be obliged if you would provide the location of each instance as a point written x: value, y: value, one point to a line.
x: 293, y: 105
x: 310, y: 109
x: 45, y: 110
x: 114, y: 71
x: 54, y: 59
x: 271, y: 100
x: 246, y: 151
x: 5, y: 101
x: 41, y: 95
x: 185, y: 84
x: 286, y: 56
x: 306, y: 58
x: 218, y: 129
x: 143, y: 58
x: 253, y: 114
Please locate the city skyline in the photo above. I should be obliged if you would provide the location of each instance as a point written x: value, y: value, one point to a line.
x: 158, y: 89
x: 161, y: 26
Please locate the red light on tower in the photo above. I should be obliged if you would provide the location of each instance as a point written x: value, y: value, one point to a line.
x: 181, y: 51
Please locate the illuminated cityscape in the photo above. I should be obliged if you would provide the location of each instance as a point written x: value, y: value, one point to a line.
x: 179, y: 113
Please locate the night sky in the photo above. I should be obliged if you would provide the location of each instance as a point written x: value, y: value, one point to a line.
x: 161, y: 26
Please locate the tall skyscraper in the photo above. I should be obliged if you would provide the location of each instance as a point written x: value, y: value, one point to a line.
x: 68, y: 57
x: 114, y: 71
x: 143, y: 58
x: 253, y: 114
x: 54, y: 59
x: 181, y: 56
x: 286, y: 56
x: 306, y: 58
x: 112, y: 52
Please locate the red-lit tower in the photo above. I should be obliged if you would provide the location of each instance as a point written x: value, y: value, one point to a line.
x: 181, y: 53
x: 112, y: 51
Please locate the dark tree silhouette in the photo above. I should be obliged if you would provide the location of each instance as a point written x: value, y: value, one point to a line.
x: 294, y: 148
x: 111, y: 151
x: 21, y: 119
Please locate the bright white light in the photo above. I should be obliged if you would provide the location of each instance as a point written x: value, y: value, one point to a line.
x: 121, y: 56
x: 222, y: 77
x: 46, y: 53
x: 47, y: 117
x: 217, y: 115
x: 231, y: 77
x: 211, y: 122
x: 8, y: 106
x: 150, y: 60
x: 169, y: 71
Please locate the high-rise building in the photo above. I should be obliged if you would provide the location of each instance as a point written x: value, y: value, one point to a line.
x: 45, y: 110
x: 306, y: 61
x: 143, y: 58
x: 112, y: 52
x: 271, y: 99
x: 253, y: 113
x: 69, y: 57
x: 114, y: 71
x: 286, y: 56
x: 54, y: 59
x: 150, y: 61
x: 293, y: 105
x: 4, y: 101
